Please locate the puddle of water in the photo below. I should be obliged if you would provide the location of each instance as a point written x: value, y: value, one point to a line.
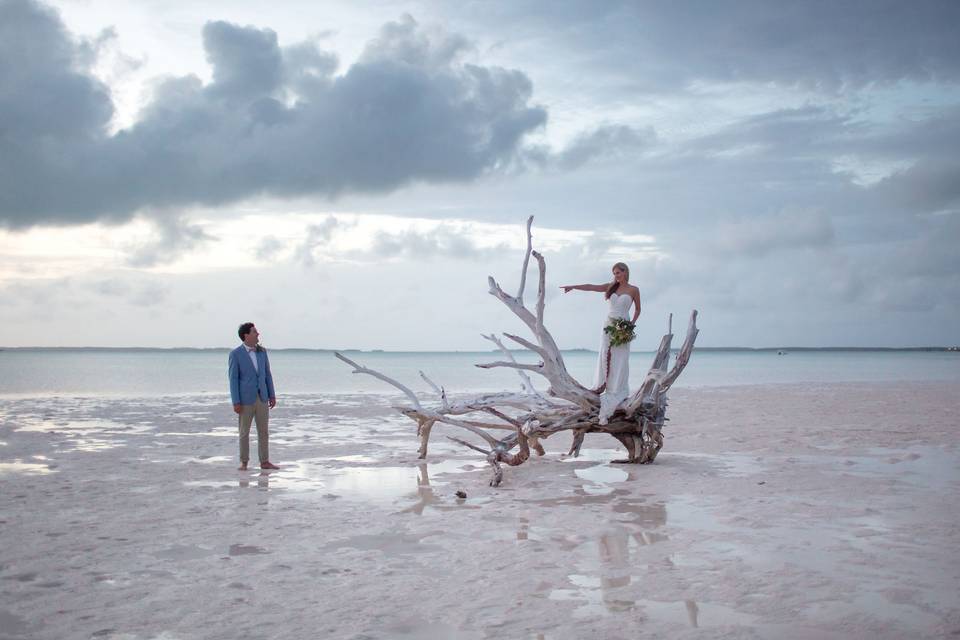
x: 314, y: 478
x: 313, y: 475
x: 366, y: 482
x: 93, y: 444
x: 373, y: 482
x: 355, y: 458
x: 388, y: 543
x: 602, y: 474
x: 208, y: 460
x: 28, y: 468
x: 211, y: 484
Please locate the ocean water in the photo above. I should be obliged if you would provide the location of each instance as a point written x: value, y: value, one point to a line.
x: 79, y: 372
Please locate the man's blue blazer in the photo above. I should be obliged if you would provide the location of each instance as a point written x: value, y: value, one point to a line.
x: 247, y: 383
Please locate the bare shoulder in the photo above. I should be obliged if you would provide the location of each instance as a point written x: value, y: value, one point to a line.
x: 635, y: 291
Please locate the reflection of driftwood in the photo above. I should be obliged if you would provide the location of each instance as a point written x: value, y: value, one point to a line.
x: 567, y: 405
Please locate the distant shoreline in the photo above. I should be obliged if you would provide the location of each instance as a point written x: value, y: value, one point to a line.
x: 785, y: 350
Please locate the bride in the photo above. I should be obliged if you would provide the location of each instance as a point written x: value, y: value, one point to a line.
x: 613, y: 366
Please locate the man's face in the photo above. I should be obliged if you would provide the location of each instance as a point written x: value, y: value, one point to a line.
x: 252, y: 338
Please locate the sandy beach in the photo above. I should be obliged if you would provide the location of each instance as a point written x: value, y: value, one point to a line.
x: 777, y: 511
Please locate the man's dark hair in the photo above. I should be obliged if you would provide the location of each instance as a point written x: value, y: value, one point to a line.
x: 244, y: 329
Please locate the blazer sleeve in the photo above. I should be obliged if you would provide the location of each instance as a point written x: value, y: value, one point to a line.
x: 233, y: 374
x: 270, y: 391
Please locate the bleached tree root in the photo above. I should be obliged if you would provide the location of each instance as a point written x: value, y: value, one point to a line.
x: 567, y: 405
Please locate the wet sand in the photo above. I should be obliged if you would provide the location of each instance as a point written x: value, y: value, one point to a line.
x: 773, y: 512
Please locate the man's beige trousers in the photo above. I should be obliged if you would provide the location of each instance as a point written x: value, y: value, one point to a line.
x: 247, y: 414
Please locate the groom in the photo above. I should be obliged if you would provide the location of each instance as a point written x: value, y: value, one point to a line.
x: 251, y: 389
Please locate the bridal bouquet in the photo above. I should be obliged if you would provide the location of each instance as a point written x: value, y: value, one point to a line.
x: 620, y: 331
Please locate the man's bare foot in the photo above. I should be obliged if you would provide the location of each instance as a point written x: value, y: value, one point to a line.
x: 268, y: 465
x: 242, y: 467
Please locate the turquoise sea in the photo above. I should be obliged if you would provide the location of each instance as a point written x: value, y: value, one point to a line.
x: 160, y: 372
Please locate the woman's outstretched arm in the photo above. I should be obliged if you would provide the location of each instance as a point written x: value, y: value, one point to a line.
x: 584, y: 287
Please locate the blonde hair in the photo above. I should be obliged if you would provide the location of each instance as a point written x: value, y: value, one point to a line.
x: 615, y: 285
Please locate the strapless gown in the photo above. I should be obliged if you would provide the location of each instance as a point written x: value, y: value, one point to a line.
x: 618, y: 374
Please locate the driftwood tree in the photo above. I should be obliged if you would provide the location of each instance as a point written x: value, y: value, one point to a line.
x: 567, y: 405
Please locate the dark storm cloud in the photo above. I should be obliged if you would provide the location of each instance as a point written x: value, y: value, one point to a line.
x: 247, y: 62
x: 46, y: 91
x: 273, y: 120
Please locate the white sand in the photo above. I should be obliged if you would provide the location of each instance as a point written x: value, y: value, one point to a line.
x: 773, y: 512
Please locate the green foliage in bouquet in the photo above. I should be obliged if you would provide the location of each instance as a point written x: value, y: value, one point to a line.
x: 620, y: 331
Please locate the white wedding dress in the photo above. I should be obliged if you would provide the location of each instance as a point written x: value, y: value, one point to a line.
x: 618, y: 374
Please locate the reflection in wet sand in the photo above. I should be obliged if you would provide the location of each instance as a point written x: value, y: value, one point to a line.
x: 425, y: 495
x: 696, y: 614
x: 263, y: 481
x: 330, y: 477
x: 601, y: 581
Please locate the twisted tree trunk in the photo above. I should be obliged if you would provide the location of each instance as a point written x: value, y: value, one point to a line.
x: 530, y: 416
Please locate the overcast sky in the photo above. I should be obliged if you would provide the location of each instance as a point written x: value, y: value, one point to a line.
x: 347, y: 174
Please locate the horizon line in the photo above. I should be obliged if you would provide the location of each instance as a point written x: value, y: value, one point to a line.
x: 572, y: 349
